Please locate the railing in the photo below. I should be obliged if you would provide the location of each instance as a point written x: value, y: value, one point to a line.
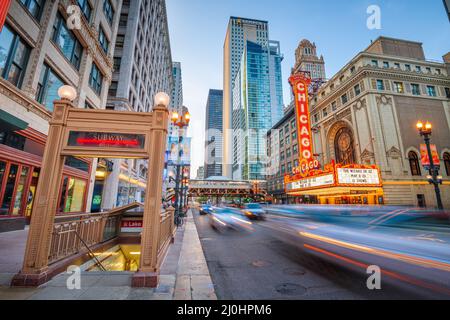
x: 76, y: 234
x: 167, y: 229
x: 92, y: 229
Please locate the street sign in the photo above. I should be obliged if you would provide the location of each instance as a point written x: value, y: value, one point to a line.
x: 106, y: 140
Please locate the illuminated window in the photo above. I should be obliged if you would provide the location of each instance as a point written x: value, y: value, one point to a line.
x: 398, y: 87
x: 72, y: 195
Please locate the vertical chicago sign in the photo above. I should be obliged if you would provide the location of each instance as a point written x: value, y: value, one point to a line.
x: 300, y: 83
x: 4, y: 6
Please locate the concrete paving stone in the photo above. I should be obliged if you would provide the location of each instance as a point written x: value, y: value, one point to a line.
x: 85, y: 280
x: 5, y: 279
x: 114, y: 281
x: 16, y: 293
x: 57, y: 293
x: 183, y: 288
x: 140, y: 294
x: 162, y: 296
x: 105, y: 293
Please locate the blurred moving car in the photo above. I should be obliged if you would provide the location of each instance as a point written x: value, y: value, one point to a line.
x: 254, y: 211
x: 223, y: 219
x: 206, y: 209
x: 411, y: 246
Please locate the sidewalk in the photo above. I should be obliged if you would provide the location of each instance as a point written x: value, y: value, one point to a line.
x: 184, y: 275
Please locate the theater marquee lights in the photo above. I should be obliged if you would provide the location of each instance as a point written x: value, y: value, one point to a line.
x: 335, y: 175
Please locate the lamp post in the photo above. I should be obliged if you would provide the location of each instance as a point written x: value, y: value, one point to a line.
x: 433, y: 178
x: 181, y: 121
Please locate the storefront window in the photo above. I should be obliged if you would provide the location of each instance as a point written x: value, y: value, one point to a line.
x: 72, y: 195
x: 2, y: 173
x: 22, y: 183
x: 9, y: 189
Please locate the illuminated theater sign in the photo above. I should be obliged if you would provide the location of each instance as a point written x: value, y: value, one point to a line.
x: 335, y: 175
x: 300, y: 83
x: 358, y: 176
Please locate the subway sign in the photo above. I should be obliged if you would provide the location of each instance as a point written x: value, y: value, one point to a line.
x: 106, y: 140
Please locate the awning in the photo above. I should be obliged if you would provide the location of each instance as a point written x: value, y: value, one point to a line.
x: 8, y: 122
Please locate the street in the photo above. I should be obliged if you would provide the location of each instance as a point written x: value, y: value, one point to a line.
x: 258, y: 266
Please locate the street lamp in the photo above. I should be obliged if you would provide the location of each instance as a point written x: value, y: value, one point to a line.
x: 425, y: 131
x: 67, y: 93
x: 180, y: 120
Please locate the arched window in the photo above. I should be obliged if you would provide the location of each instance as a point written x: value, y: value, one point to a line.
x: 414, y: 164
x: 447, y: 163
x: 344, y: 147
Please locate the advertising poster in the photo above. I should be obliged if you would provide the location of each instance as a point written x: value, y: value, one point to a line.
x: 172, y: 157
x: 185, y: 151
x: 426, y: 159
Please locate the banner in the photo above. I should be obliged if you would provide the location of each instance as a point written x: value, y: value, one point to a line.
x: 185, y: 151
x: 172, y: 157
x: 4, y: 6
x: 426, y: 159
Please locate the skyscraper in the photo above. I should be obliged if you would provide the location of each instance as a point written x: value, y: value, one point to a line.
x: 213, y: 135
x: 142, y: 68
x: 176, y: 97
x: 252, y: 37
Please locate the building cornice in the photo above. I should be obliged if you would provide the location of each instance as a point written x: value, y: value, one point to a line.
x: 31, y: 105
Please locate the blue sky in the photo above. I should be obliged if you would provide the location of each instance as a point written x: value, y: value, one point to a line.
x: 198, y: 27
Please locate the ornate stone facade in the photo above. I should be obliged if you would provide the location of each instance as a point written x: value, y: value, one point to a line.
x: 378, y: 93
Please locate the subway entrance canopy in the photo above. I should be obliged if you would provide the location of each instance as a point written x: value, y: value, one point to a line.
x: 97, y: 134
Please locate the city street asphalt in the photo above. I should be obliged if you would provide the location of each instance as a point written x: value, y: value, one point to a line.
x: 248, y: 266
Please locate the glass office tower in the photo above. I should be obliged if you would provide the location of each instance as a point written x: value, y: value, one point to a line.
x: 257, y: 104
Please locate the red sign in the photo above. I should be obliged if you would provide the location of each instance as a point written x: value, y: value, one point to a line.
x: 132, y: 224
x: 106, y: 140
x: 300, y: 83
x: 4, y: 6
x: 426, y: 159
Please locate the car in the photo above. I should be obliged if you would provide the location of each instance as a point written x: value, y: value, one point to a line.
x: 254, y: 211
x: 206, y: 209
x: 227, y: 218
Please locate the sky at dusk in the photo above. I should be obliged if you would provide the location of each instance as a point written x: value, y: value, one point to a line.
x: 339, y: 29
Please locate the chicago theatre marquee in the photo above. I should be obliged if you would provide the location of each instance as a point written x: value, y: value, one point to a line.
x: 345, y: 182
x: 357, y: 136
